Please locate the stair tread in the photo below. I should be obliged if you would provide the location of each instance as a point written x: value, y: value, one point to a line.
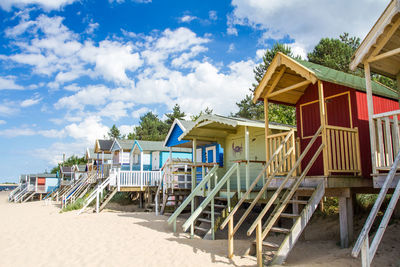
x: 298, y: 201
x: 204, y: 220
x: 289, y: 215
x: 219, y: 206
x: 306, y: 188
x: 209, y: 212
x: 268, y: 244
x: 221, y: 198
x: 201, y: 229
x: 280, y: 230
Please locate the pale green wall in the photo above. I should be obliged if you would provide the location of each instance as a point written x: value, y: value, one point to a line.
x: 257, y: 152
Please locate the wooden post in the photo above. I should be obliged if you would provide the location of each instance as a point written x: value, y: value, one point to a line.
x: 266, y: 131
x: 398, y: 86
x: 141, y: 170
x: 230, y: 238
x: 370, y: 106
x: 350, y: 216
x: 259, y: 244
x: 365, y: 261
x: 344, y: 226
x: 322, y: 114
x: 247, y: 155
x: 194, y: 172
x: 97, y: 202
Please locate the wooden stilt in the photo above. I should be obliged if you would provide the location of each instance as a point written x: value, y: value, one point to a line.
x: 259, y: 244
x: 230, y: 239
x: 343, y: 218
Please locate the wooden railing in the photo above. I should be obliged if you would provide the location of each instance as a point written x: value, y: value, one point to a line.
x: 368, y: 250
x: 387, y: 138
x: 273, y: 171
x: 275, y: 141
x: 138, y: 178
x: 200, y: 187
x: 343, y: 150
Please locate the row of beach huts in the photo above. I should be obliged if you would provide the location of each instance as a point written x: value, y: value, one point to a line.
x: 219, y: 169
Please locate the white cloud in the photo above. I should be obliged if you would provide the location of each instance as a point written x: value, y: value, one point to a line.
x: 30, y: 102
x: 115, y: 110
x: 231, y: 48
x: 8, y: 108
x: 92, y: 27
x: 2, y: 122
x: 126, y: 129
x: 187, y: 18
x: 135, y: 1
x: 29, y: 131
x: 54, y: 154
x: 88, y: 130
x: 92, y: 95
x: 212, y: 15
x: 8, y: 83
x: 304, y: 24
x: 45, y: 4
x: 137, y: 113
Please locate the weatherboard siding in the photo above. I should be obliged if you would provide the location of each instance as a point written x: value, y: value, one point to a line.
x: 173, y: 138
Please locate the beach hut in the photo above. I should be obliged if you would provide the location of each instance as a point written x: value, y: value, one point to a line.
x: 332, y: 122
x: 39, y: 185
x: 379, y: 53
x: 104, y: 158
x: 121, y: 153
x: 228, y: 154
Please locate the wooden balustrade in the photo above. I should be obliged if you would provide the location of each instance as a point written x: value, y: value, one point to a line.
x: 387, y: 139
x: 274, y: 141
x: 138, y: 178
x: 343, y: 150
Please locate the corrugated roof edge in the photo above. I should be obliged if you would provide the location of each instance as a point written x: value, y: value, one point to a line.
x: 317, y: 69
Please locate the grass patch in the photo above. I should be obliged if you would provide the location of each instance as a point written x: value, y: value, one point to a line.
x: 122, y: 198
x: 78, y: 204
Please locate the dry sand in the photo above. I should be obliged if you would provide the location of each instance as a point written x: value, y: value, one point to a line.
x: 33, y: 234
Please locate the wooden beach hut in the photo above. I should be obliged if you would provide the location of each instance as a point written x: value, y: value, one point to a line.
x: 104, y: 159
x: 228, y: 153
x: 379, y: 53
x: 332, y: 121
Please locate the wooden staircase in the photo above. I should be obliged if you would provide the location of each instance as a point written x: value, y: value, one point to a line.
x: 109, y: 195
x: 276, y: 253
x: 368, y: 249
x: 203, y: 225
x: 30, y: 196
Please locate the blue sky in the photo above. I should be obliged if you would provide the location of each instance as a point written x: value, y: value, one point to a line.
x: 71, y: 69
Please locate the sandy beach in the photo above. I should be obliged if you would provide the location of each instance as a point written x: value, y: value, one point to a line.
x: 36, y: 234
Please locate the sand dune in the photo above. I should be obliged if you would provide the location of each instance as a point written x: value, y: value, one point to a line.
x: 33, y: 234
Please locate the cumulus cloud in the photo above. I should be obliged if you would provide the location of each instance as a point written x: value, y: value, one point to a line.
x: 212, y: 15
x: 2, y: 122
x: 304, y: 24
x: 187, y: 18
x: 8, y: 83
x: 45, y: 4
x: 31, y: 101
x: 88, y: 130
x: 126, y: 129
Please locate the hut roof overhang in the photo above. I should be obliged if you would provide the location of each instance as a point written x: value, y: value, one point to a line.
x: 381, y: 47
x: 286, y: 80
x: 211, y: 128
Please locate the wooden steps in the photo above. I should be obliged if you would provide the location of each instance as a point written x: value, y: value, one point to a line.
x: 107, y: 199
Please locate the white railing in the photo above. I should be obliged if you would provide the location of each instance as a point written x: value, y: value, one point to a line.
x: 31, y: 187
x: 40, y: 189
x: 138, y: 178
x: 387, y: 138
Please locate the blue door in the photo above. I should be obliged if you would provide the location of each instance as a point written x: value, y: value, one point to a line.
x: 210, y: 156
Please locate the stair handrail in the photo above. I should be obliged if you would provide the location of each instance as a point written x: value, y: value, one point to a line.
x: 74, y: 189
x: 23, y: 191
x: 94, y: 193
x: 289, y: 194
x: 367, y: 251
x: 51, y: 192
x: 12, y: 193
x: 280, y: 188
x: 192, y: 195
x: 267, y: 182
x: 84, y: 186
x: 210, y: 196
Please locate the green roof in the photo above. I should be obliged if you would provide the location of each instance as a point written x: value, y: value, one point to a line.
x: 339, y: 77
x: 159, y: 146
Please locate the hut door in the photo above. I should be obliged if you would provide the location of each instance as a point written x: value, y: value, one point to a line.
x: 338, y: 110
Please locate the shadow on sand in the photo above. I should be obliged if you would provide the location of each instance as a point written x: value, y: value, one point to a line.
x: 217, y: 249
